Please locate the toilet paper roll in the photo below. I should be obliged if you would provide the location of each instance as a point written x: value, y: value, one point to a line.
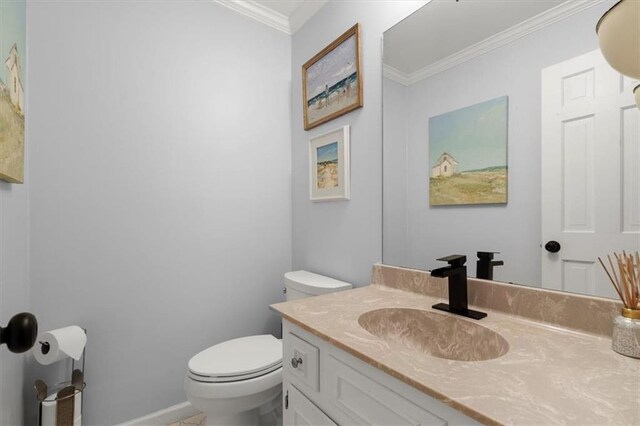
x: 59, y: 344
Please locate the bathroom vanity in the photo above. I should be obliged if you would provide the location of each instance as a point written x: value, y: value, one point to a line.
x: 380, y: 355
x: 493, y: 113
x: 324, y: 385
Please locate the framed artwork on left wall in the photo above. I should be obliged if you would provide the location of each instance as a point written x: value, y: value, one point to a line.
x: 12, y: 81
x: 329, y: 178
x: 332, y: 80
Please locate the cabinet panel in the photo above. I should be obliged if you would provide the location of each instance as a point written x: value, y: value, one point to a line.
x: 302, y: 359
x: 370, y: 402
x: 299, y: 411
x: 352, y: 392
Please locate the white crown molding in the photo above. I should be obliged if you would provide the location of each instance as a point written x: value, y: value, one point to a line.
x: 258, y: 12
x: 270, y: 17
x: 305, y: 11
x: 396, y: 75
x: 544, y: 19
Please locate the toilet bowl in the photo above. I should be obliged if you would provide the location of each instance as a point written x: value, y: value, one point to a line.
x: 239, y: 382
x: 236, y: 381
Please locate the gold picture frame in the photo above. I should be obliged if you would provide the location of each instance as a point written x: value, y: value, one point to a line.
x: 332, y: 80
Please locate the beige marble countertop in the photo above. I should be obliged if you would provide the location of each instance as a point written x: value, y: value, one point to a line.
x: 550, y: 375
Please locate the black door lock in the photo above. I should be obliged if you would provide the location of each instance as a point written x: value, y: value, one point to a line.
x: 552, y: 246
x: 21, y: 332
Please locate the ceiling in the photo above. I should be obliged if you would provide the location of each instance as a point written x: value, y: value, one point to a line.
x: 445, y: 27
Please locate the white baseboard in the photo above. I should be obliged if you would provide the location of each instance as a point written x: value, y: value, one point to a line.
x: 164, y: 417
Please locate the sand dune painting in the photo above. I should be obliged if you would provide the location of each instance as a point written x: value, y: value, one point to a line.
x: 468, y: 155
x: 12, y: 80
x: 329, y: 166
x: 332, y: 82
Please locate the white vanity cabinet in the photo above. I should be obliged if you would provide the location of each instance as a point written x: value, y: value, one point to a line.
x: 301, y: 411
x: 324, y: 385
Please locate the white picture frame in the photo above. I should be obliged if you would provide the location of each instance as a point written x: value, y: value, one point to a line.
x: 329, y: 171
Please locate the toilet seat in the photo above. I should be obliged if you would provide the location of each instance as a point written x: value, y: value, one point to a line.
x: 237, y: 360
x: 227, y: 379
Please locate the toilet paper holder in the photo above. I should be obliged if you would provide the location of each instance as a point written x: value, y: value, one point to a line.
x: 62, y: 398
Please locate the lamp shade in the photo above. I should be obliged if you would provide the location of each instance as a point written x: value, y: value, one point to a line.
x: 619, y: 37
x: 636, y: 92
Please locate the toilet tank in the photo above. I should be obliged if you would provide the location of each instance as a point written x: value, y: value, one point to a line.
x: 299, y: 284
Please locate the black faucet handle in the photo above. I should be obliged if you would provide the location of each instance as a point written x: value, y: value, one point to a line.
x: 454, y: 259
x: 487, y: 255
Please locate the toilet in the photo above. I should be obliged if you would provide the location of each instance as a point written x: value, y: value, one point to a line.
x: 239, y: 382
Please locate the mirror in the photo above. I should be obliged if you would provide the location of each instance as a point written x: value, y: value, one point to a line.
x: 506, y: 131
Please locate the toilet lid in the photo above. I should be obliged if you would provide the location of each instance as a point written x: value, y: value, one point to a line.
x: 238, y: 359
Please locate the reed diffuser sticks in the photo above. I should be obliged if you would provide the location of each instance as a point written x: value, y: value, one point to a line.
x: 627, y: 285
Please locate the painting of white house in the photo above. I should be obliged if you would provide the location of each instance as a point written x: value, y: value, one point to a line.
x: 332, y: 80
x: 12, y: 81
x: 468, y: 155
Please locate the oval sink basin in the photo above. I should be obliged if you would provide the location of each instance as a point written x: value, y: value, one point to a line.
x: 438, y: 335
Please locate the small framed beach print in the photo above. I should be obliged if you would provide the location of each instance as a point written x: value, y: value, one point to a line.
x: 332, y: 80
x: 329, y: 166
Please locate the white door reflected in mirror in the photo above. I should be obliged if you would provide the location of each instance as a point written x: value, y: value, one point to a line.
x: 591, y: 184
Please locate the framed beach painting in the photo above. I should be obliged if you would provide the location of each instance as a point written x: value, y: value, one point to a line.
x: 329, y: 166
x: 332, y: 80
x: 12, y: 81
x: 468, y: 155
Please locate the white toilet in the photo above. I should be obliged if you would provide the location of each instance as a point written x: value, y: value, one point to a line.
x: 239, y: 382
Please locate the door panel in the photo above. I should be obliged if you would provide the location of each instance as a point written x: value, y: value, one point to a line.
x: 577, y: 166
x: 631, y: 170
x: 590, y: 172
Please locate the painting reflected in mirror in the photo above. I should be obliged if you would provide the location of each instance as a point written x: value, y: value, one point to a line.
x: 468, y: 154
x: 506, y: 131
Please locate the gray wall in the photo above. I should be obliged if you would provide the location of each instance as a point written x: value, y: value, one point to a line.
x: 160, y: 187
x: 14, y: 292
x: 394, y: 214
x: 513, y: 229
x: 343, y: 239
x: 14, y: 282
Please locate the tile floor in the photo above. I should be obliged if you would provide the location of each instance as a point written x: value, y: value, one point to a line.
x: 197, y: 420
x: 272, y: 418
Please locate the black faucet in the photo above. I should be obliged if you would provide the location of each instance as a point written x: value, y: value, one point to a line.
x: 457, y: 274
x: 485, y: 264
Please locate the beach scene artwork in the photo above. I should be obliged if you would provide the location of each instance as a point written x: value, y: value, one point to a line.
x: 468, y: 155
x: 332, y: 85
x: 327, y: 166
x: 12, y: 80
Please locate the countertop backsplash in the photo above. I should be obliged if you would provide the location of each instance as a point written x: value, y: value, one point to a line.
x: 575, y: 311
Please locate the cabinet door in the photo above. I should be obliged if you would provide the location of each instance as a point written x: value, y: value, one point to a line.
x: 369, y: 402
x: 299, y: 411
